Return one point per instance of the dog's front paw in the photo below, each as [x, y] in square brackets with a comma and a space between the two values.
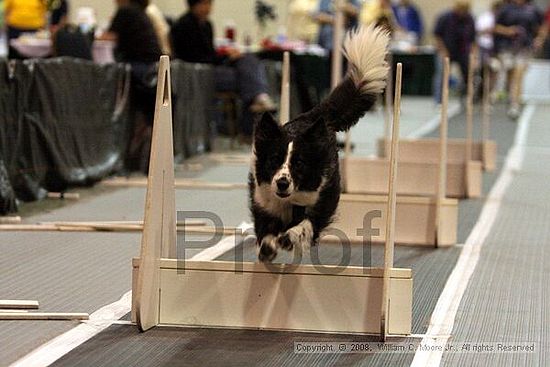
[299, 236]
[267, 250]
[287, 240]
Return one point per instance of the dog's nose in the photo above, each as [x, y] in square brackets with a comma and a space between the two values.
[283, 184]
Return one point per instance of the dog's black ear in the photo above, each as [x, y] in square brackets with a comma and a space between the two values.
[267, 129]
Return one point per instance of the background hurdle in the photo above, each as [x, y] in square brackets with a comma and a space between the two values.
[426, 220]
[459, 150]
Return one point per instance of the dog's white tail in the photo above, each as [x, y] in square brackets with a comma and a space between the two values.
[365, 48]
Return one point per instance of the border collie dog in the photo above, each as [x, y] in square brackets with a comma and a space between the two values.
[294, 180]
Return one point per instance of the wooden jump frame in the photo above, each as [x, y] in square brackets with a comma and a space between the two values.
[419, 176]
[430, 221]
[179, 184]
[190, 227]
[459, 150]
[18, 310]
[260, 296]
[10, 220]
[64, 195]
[230, 159]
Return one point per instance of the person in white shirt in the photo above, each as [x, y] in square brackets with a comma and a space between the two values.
[485, 28]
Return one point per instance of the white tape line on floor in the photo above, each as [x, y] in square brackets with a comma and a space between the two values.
[106, 316]
[443, 317]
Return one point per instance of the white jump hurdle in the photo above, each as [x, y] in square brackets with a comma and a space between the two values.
[420, 168]
[280, 297]
[369, 176]
[459, 150]
[429, 220]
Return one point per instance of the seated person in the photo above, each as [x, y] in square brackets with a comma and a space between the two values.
[192, 41]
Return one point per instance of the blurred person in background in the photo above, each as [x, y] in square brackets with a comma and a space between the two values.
[59, 15]
[485, 28]
[517, 25]
[68, 39]
[192, 40]
[454, 35]
[380, 13]
[301, 23]
[138, 45]
[325, 18]
[408, 18]
[541, 41]
[23, 16]
[162, 29]
[134, 35]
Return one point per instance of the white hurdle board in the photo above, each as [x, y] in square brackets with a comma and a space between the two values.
[420, 176]
[424, 149]
[415, 221]
[459, 151]
[429, 220]
[484, 153]
[299, 298]
[281, 297]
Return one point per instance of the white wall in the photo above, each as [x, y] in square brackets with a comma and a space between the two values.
[242, 12]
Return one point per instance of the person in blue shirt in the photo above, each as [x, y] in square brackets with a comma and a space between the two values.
[408, 18]
[325, 17]
[517, 26]
[455, 34]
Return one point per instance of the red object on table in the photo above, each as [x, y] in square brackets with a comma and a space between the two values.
[222, 50]
[269, 45]
[230, 33]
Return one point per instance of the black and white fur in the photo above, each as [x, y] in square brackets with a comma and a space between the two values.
[294, 180]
